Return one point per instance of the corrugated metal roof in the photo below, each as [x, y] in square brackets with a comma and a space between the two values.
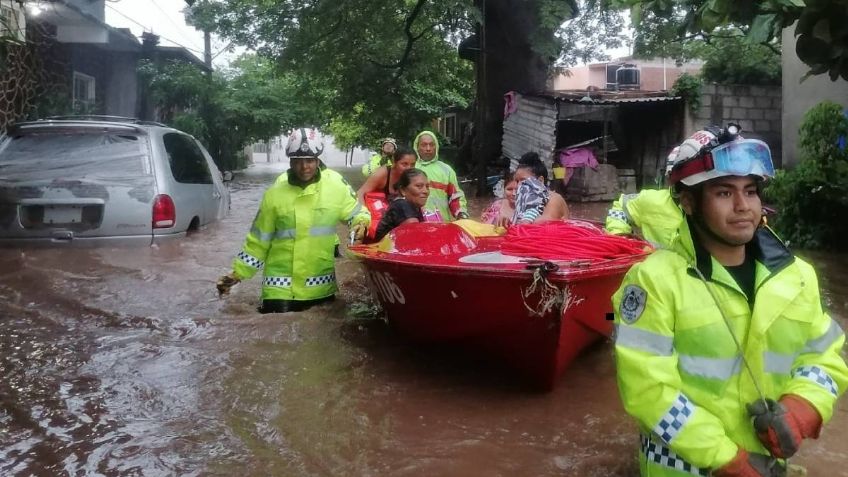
[657, 99]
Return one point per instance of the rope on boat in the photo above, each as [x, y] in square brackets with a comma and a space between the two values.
[551, 297]
[571, 240]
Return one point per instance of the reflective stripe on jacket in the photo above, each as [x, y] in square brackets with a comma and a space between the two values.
[681, 375]
[653, 214]
[446, 196]
[293, 237]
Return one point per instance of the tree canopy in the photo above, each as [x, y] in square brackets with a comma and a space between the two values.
[822, 25]
[392, 65]
[226, 110]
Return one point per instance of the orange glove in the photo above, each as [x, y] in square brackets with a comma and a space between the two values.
[746, 464]
[785, 424]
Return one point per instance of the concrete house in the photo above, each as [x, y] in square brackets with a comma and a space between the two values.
[73, 61]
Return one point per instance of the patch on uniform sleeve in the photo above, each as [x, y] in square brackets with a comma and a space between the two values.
[633, 303]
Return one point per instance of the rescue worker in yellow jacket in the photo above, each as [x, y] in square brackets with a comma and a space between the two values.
[447, 200]
[724, 355]
[388, 146]
[652, 213]
[294, 232]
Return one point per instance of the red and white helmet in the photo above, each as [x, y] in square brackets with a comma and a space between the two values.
[715, 152]
[305, 142]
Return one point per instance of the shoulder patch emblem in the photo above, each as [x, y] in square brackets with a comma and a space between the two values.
[633, 303]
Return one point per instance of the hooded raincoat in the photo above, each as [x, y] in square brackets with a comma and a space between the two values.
[680, 373]
[294, 234]
[446, 197]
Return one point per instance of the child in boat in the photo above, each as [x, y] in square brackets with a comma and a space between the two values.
[414, 189]
[501, 210]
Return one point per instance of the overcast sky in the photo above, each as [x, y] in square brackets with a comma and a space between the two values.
[164, 18]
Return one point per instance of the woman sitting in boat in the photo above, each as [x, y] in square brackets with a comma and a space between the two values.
[379, 189]
[501, 211]
[384, 179]
[534, 202]
[414, 189]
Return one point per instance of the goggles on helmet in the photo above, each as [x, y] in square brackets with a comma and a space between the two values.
[736, 158]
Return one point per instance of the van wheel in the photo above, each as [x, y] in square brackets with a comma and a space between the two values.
[194, 226]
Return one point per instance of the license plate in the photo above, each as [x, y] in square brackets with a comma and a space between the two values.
[62, 214]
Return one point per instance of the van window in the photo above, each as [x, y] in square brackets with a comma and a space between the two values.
[73, 155]
[188, 164]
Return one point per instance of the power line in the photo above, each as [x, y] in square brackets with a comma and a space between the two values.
[177, 27]
[150, 29]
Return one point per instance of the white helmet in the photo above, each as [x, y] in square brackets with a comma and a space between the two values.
[716, 152]
[305, 142]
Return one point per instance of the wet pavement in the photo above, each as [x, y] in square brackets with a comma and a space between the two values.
[125, 362]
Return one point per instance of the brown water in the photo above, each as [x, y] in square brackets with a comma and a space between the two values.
[125, 362]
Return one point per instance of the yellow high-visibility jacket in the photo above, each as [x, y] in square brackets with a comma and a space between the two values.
[374, 163]
[293, 237]
[681, 375]
[653, 214]
[446, 196]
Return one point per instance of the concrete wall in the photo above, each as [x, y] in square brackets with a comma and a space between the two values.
[756, 108]
[800, 97]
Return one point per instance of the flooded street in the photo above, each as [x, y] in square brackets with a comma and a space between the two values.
[125, 362]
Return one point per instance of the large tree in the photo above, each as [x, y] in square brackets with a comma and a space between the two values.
[822, 25]
[393, 64]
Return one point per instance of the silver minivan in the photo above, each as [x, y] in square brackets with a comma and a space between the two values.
[104, 181]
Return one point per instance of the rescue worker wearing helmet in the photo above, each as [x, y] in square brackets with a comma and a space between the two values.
[294, 232]
[724, 354]
[652, 213]
[388, 146]
[447, 200]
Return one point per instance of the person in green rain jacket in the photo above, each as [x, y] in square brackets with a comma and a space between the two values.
[724, 355]
[447, 200]
[388, 146]
[294, 233]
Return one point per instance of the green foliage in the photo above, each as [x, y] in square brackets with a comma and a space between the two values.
[227, 110]
[586, 37]
[810, 199]
[734, 60]
[822, 28]
[689, 88]
[394, 61]
[392, 65]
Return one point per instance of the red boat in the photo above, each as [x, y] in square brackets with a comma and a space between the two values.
[438, 284]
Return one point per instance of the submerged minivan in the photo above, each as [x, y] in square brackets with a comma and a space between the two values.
[104, 181]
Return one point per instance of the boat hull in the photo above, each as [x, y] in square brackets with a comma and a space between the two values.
[494, 309]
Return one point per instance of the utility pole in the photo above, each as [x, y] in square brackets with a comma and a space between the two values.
[207, 49]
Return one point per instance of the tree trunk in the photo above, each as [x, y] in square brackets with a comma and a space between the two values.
[508, 62]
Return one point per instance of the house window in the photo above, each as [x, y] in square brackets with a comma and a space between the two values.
[12, 20]
[83, 93]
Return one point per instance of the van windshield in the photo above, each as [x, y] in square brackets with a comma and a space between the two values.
[74, 155]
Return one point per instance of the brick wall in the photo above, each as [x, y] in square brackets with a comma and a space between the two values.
[758, 109]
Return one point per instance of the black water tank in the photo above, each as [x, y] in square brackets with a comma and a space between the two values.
[627, 77]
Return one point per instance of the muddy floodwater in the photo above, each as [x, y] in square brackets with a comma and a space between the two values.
[125, 362]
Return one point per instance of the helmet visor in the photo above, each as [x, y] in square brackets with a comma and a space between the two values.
[736, 158]
[743, 157]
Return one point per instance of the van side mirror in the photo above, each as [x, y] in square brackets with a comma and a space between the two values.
[227, 176]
